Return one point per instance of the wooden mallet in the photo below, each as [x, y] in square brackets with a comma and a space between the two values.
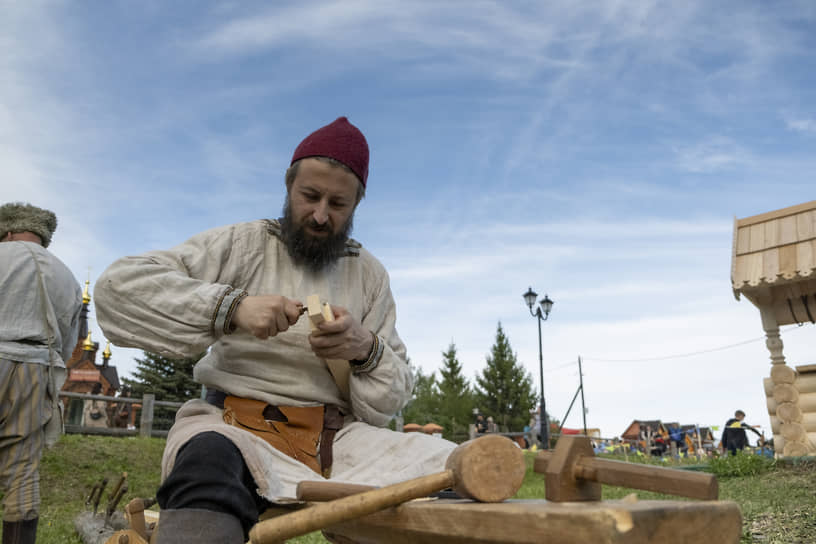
[487, 469]
[573, 473]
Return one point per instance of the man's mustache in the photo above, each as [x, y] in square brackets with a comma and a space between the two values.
[314, 225]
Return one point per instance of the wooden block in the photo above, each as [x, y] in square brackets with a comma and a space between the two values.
[541, 522]
[340, 369]
[315, 311]
[560, 479]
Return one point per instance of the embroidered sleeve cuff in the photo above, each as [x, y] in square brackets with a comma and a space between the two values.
[374, 356]
[229, 328]
[219, 324]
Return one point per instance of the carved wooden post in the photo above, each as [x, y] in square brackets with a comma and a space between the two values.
[786, 418]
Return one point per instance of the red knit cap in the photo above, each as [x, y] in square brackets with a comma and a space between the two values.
[340, 141]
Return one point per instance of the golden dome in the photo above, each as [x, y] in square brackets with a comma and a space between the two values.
[86, 295]
[88, 345]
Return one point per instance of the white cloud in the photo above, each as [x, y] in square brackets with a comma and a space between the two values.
[802, 125]
[713, 154]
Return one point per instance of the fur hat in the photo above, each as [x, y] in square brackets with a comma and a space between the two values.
[19, 217]
[341, 141]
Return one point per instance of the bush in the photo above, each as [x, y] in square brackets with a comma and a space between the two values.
[741, 464]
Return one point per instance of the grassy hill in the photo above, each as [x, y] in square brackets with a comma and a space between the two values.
[778, 500]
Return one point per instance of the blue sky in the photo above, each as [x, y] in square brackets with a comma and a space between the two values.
[597, 152]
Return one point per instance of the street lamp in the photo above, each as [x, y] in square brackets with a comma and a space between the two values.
[542, 312]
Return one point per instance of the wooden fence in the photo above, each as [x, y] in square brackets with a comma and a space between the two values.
[148, 403]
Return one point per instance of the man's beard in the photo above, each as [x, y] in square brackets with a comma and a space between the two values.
[313, 252]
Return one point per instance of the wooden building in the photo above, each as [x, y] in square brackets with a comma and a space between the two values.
[642, 434]
[83, 371]
[773, 265]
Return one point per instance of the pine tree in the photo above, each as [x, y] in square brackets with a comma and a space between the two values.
[424, 404]
[168, 380]
[504, 390]
[455, 396]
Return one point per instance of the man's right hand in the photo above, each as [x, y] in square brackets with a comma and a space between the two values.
[266, 315]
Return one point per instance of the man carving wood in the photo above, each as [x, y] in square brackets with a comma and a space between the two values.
[274, 415]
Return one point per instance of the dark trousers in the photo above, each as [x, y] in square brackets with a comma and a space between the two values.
[210, 473]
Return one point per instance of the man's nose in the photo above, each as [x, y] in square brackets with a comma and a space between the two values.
[321, 212]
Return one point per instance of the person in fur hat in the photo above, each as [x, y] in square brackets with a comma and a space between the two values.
[275, 414]
[39, 327]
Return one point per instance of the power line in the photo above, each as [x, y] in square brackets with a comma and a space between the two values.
[562, 365]
[683, 355]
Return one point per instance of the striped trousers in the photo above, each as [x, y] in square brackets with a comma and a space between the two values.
[25, 408]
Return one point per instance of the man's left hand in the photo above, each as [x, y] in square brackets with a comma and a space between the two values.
[343, 338]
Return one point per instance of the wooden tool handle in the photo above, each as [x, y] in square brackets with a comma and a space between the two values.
[696, 485]
[328, 513]
[328, 491]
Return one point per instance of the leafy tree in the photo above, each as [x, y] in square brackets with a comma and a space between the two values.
[504, 389]
[424, 404]
[455, 396]
[168, 380]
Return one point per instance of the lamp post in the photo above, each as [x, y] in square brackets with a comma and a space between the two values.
[542, 312]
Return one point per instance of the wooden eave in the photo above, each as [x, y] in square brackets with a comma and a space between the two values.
[773, 262]
[774, 248]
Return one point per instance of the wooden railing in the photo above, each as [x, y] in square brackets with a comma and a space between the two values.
[148, 403]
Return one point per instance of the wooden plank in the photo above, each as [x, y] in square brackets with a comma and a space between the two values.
[791, 210]
[753, 268]
[787, 230]
[805, 261]
[743, 240]
[743, 270]
[770, 264]
[806, 225]
[757, 237]
[787, 261]
[542, 522]
[771, 233]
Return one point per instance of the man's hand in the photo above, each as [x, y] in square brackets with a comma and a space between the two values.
[266, 315]
[343, 338]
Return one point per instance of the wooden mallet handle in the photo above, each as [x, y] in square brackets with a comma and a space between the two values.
[317, 491]
[351, 507]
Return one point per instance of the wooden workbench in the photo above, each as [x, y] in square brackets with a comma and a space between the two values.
[543, 522]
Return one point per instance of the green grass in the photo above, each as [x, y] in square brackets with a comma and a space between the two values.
[777, 498]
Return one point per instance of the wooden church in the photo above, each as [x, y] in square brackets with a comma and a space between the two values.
[83, 371]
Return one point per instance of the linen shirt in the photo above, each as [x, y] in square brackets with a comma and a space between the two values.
[169, 302]
[24, 330]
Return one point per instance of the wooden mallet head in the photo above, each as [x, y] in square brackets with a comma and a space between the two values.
[488, 469]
